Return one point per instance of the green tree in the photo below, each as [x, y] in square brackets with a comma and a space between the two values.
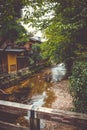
[78, 86]
[10, 13]
[35, 55]
[65, 29]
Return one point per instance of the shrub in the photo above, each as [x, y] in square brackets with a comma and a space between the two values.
[78, 86]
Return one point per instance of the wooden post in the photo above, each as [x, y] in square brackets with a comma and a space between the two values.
[34, 122]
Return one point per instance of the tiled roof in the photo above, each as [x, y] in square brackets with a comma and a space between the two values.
[15, 50]
[36, 39]
[10, 47]
[12, 50]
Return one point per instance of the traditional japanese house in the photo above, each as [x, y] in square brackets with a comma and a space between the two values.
[23, 58]
[32, 40]
[8, 57]
[13, 57]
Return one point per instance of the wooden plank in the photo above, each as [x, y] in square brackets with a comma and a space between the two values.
[14, 108]
[9, 126]
[72, 118]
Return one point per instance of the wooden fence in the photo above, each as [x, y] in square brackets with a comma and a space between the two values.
[38, 113]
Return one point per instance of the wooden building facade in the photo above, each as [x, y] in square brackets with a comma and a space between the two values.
[13, 57]
[8, 57]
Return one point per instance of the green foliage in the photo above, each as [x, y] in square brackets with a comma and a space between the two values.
[12, 31]
[65, 24]
[65, 31]
[78, 86]
[59, 47]
[10, 12]
[35, 55]
[81, 52]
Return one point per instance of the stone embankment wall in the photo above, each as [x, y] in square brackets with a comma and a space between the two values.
[7, 80]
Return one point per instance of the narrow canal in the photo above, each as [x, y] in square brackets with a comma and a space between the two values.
[35, 90]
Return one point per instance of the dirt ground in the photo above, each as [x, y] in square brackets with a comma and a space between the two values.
[63, 101]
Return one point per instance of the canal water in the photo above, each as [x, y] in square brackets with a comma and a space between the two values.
[35, 90]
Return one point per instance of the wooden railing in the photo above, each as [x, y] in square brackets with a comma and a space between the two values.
[38, 113]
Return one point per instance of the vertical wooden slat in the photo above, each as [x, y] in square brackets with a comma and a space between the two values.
[34, 122]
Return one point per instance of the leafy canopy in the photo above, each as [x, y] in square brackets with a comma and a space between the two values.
[10, 13]
[65, 29]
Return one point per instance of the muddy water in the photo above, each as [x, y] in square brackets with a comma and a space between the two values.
[35, 90]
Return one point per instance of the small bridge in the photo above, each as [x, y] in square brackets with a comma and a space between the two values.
[37, 113]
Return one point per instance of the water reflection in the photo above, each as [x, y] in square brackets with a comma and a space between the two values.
[34, 90]
[38, 100]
